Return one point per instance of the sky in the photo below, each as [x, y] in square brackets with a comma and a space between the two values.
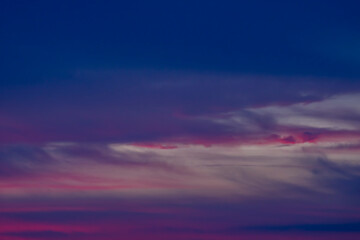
[184, 120]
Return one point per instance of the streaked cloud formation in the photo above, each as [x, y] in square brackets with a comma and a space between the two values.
[184, 120]
[286, 151]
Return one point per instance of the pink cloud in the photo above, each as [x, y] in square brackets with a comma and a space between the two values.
[155, 145]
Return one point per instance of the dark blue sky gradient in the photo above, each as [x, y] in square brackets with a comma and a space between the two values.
[43, 40]
[70, 65]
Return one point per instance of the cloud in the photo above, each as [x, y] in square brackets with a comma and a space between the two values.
[19, 161]
[129, 106]
[352, 227]
[182, 153]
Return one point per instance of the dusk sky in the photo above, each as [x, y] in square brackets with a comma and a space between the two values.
[179, 120]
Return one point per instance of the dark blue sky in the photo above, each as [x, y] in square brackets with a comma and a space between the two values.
[42, 40]
[156, 58]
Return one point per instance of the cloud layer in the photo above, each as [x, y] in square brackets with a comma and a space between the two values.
[181, 159]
